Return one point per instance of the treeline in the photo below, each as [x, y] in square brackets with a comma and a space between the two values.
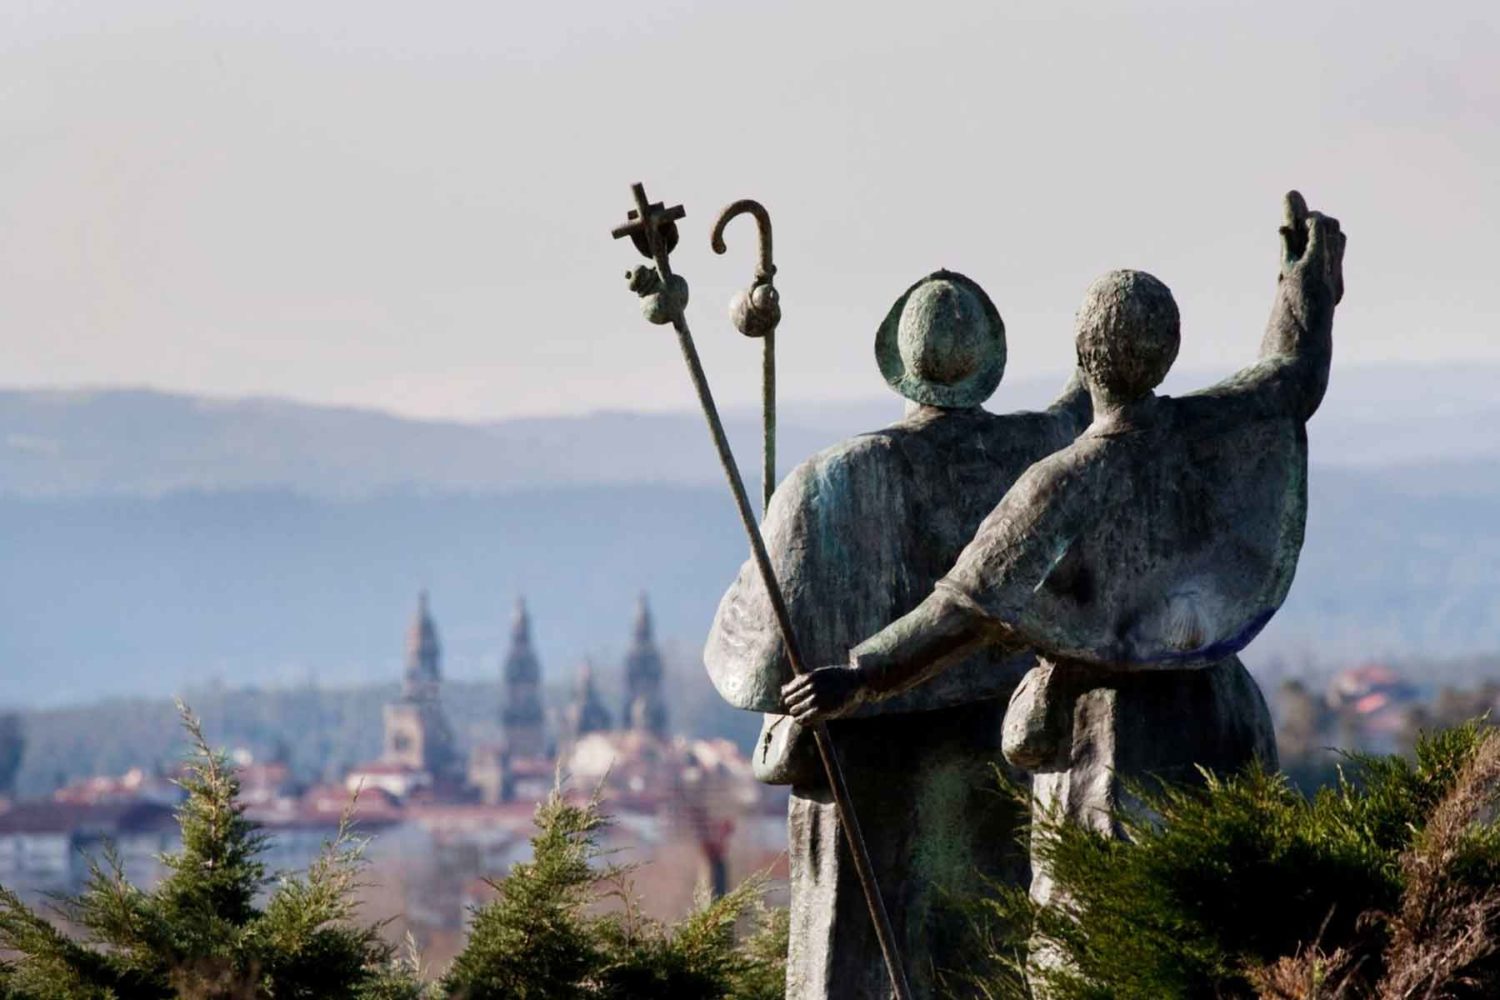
[220, 926]
[1385, 886]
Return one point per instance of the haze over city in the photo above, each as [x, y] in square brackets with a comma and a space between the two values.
[341, 203]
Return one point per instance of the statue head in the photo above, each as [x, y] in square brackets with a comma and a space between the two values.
[942, 343]
[1128, 334]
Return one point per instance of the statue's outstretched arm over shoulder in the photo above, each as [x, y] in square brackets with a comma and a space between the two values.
[1015, 549]
[1292, 373]
[939, 632]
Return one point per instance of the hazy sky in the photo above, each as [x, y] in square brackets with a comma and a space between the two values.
[408, 205]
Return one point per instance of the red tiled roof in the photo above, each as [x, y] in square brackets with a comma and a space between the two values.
[471, 811]
[332, 800]
[46, 816]
[533, 767]
[384, 767]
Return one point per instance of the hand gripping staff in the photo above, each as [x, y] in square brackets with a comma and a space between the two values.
[653, 229]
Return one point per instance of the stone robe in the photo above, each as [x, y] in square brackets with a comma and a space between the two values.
[858, 536]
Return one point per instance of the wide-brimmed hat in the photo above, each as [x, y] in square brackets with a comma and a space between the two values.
[943, 342]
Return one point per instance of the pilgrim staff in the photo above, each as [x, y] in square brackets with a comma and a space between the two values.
[653, 229]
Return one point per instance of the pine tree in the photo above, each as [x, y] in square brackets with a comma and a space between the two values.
[203, 933]
[199, 934]
[541, 939]
[1386, 885]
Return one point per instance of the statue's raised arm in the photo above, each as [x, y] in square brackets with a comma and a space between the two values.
[1291, 375]
[1166, 536]
[1073, 402]
[1135, 563]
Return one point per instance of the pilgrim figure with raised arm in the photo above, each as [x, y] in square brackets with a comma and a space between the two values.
[1138, 560]
[858, 535]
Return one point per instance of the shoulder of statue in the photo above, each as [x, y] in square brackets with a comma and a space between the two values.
[847, 456]
[1066, 477]
[855, 449]
[830, 476]
[1048, 430]
[962, 430]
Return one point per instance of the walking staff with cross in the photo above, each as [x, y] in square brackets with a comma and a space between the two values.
[652, 227]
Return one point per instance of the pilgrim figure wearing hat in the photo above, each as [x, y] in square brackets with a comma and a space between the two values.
[858, 535]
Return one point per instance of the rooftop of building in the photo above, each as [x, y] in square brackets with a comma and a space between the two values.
[44, 816]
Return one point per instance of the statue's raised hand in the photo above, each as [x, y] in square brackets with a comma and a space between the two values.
[825, 693]
[1312, 250]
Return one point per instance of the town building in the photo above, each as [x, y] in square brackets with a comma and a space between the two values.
[47, 846]
[416, 732]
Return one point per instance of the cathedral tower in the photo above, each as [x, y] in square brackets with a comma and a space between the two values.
[586, 714]
[420, 679]
[521, 714]
[645, 706]
[416, 733]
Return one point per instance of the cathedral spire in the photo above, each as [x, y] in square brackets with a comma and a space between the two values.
[645, 704]
[643, 627]
[520, 624]
[587, 713]
[521, 714]
[416, 733]
[423, 653]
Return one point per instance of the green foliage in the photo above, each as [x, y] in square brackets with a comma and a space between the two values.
[218, 927]
[1224, 881]
[199, 934]
[544, 937]
[532, 942]
[763, 975]
[698, 958]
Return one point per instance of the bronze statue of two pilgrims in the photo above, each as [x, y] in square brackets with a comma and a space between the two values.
[858, 535]
[1122, 571]
[1138, 560]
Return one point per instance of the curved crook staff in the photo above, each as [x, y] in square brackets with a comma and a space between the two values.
[750, 206]
[755, 313]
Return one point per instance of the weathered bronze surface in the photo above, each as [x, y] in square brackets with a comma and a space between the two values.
[942, 343]
[755, 312]
[1139, 559]
[1167, 535]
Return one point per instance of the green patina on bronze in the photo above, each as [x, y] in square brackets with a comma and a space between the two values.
[943, 342]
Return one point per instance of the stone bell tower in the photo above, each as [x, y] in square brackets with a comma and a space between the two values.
[645, 706]
[521, 715]
[416, 733]
[586, 712]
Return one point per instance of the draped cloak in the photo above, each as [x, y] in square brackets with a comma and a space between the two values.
[858, 536]
[1137, 561]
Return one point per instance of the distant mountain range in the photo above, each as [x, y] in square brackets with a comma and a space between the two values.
[155, 541]
[121, 442]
